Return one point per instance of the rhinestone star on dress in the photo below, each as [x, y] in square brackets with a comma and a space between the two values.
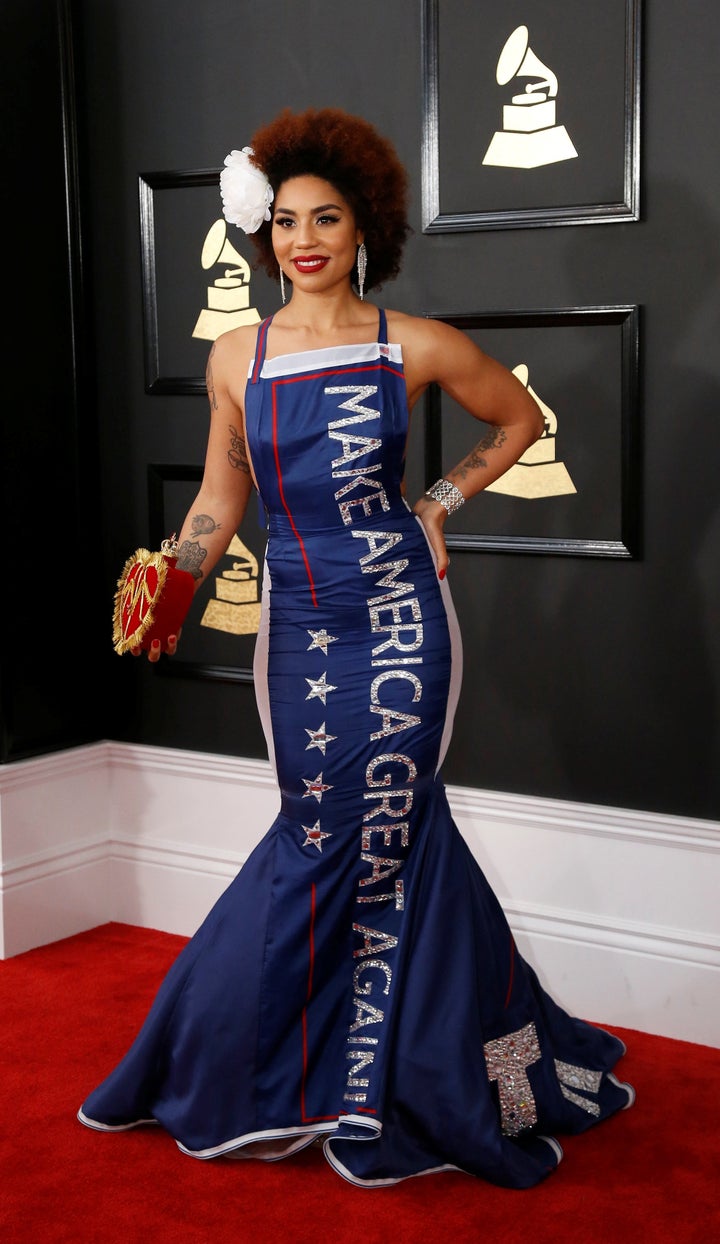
[319, 738]
[321, 639]
[314, 836]
[316, 787]
[319, 687]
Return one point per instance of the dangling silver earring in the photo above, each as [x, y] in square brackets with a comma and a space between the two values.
[361, 269]
[282, 285]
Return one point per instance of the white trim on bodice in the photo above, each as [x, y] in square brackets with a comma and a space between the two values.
[328, 356]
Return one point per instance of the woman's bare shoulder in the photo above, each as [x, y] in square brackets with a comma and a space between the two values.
[230, 359]
[234, 345]
[400, 324]
[430, 347]
[420, 330]
[229, 363]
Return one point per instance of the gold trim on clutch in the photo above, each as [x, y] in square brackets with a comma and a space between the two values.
[128, 596]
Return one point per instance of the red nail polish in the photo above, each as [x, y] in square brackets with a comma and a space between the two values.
[441, 574]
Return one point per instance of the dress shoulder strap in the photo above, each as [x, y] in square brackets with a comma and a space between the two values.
[382, 329]
[260, 348]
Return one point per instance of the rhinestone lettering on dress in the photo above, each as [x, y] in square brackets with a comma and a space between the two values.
[387, 831]
[360, 1059]
[356, 447]
[396, 625]
[367, 986]
[507, 1059]
[387, 758]
[577, 1080]
[386, 941]
[361, 413]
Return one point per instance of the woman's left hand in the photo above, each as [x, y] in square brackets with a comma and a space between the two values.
[432, 515]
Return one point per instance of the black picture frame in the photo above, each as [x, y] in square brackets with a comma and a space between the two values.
[176, 279]
[596, 54]
[208, 649]
[584, 366]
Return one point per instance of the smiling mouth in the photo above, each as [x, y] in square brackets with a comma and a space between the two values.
[310, 263]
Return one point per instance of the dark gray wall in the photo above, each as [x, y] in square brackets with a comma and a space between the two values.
[586, 679]
[53, 609]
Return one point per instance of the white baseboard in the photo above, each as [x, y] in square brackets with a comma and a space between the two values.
[616, 909]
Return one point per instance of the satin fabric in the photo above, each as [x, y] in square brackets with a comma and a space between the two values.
[358, 980]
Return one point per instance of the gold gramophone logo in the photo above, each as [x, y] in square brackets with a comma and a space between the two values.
[537, 473]
[235, 607]
[228, 298]
[530, 136]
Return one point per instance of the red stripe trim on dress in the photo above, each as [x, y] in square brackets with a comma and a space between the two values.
[282, 498]
[311, 971]
[310, 1118]
[395, 369]
[302, 376]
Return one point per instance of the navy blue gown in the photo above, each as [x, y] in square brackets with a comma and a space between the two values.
[357, 981]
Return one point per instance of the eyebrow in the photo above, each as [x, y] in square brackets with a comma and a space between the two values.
[288, 211]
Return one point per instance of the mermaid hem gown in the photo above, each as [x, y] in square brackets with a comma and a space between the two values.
[357, 981]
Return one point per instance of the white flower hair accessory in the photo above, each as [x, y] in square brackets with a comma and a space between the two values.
[245, 191]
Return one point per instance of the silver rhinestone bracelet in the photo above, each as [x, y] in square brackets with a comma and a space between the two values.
[447, 494]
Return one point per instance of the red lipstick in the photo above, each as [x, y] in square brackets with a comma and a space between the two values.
[310, 263]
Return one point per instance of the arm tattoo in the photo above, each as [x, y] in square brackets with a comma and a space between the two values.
[209, 382]
[203, 525]
[191, 557]
[493, 439]
[237, 453]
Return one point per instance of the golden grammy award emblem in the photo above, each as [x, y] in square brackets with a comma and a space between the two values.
[235, 607]
[228, 301]
[530, 136]
[537, 473]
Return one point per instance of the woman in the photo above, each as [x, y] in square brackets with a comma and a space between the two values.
[358, 980]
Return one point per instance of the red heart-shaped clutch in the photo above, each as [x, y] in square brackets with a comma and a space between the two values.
[152, 598]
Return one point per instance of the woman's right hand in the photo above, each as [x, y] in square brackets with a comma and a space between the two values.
[156, 649]
[432, 515]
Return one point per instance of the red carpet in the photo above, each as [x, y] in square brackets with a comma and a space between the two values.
[69, 1011]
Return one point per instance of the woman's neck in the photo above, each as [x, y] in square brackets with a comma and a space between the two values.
[322, 317]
